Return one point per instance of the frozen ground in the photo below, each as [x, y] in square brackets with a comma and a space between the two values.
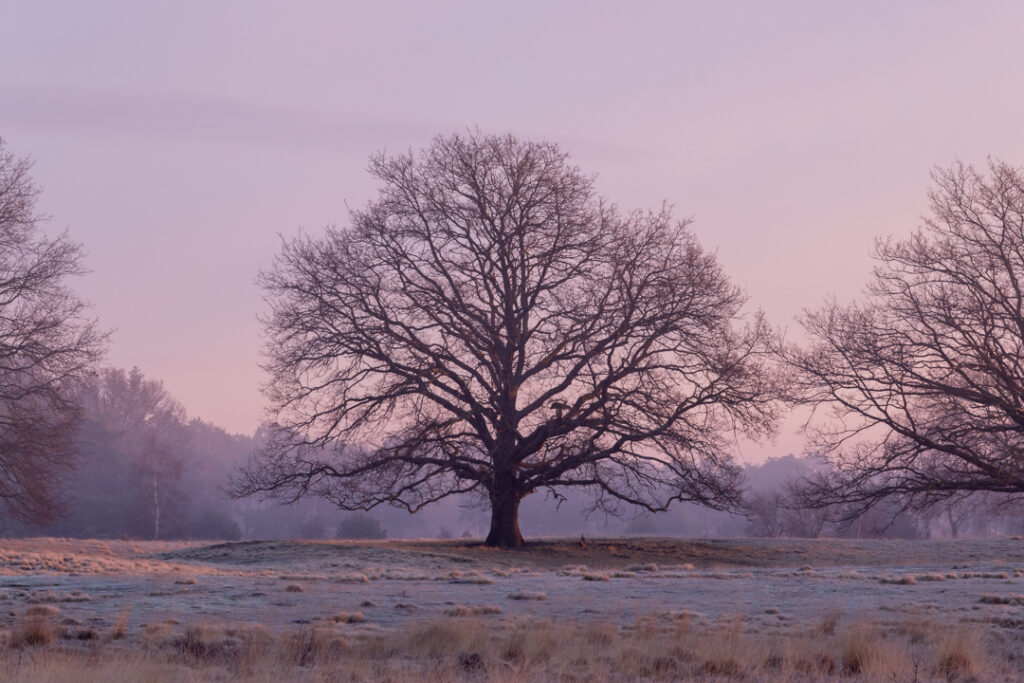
[772, 584]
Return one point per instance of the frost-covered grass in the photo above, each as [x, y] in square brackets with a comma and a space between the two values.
[658, 609]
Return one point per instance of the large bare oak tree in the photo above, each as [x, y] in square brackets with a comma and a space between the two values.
[47, 342]
[490, 324]
[925, 378]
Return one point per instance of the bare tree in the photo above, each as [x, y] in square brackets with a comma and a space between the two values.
[490, 324]
[779, 512]
[799, 520]
[976, 511]
[958, 512]
[773, 502]
[926, 377]
[47, 343]
[763, 510]
[150, 428]
[361, 525]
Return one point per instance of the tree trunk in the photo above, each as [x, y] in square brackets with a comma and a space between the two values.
[504, 521]
[954, 523]
[156, 508]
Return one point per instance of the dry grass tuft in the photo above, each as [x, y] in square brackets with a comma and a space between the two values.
[470, 579]
[857, 648]
[960, 653]
[646, 567]
[348, 618]
[50, 596]
[527, 595]
[984, 575]
[916, 629]
[829, 620]
[902, 580]
[80, 634]
[120, 627]
[42, 611]
[226, 645]
[474, 611]
[32, 631]
[310, 645]
[726, 652]
[438, 639]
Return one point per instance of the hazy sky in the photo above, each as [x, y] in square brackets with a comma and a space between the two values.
[178, 140]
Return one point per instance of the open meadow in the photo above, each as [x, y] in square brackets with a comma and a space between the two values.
[616, 609]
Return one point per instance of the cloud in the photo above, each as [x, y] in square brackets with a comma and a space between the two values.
[191, 117]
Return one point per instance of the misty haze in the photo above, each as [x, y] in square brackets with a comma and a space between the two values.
[436, 341]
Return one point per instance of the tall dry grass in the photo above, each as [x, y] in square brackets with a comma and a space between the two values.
[492, 648]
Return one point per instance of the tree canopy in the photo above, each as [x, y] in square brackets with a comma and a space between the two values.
[925, 378]
[48, 342]
[490, 324]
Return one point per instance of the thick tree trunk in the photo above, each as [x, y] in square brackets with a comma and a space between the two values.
[504, 522]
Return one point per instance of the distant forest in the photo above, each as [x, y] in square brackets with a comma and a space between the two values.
[146, 470]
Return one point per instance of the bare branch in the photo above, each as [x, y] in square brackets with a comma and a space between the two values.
[489, 322]
[48, 343]
[926, 378]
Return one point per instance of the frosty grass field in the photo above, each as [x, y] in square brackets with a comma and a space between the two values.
[617, 609]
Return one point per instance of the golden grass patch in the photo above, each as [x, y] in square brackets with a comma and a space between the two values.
[466, 646]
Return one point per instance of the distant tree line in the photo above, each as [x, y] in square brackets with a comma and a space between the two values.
[775, 505]
[141, 469]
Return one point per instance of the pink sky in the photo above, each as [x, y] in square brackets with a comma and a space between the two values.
[177, 140]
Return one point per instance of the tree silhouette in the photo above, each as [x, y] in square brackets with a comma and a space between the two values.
[926, 377]
[490, 324]
[47, 343]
